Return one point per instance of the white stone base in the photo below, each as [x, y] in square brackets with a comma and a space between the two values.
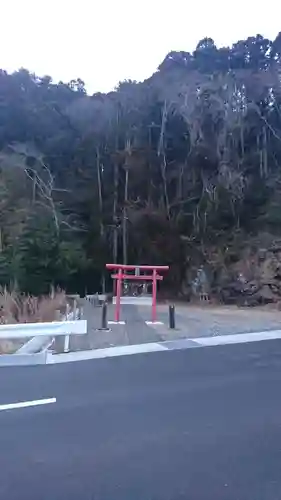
[138, 301]
[154, 323]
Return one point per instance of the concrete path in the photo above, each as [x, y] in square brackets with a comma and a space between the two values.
[133, 331]
[191, 322]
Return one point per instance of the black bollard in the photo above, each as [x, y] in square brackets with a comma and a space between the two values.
[172, 322]
[104, 317]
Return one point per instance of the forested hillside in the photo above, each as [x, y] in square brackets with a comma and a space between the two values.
[183, 169]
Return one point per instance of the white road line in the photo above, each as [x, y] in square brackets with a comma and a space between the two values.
[26, 404]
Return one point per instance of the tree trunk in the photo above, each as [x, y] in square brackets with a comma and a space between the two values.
[161, 152]
[264, 148]
[101, 210]
[125, 219]
[115, 219]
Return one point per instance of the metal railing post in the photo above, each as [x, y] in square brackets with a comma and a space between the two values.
[172, 319]
[80, 312]
[104, 325]
[66, 343]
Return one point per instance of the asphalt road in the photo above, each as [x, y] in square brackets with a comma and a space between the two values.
[197, 424]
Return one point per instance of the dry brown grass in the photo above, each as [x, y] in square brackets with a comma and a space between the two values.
[20, 308]
[10, 346]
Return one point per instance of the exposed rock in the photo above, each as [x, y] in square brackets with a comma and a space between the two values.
[258, 279]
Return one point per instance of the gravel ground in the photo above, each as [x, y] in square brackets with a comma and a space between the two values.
[191, 322]
[194, 321]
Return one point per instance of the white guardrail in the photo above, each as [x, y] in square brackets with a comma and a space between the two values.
[18, 331]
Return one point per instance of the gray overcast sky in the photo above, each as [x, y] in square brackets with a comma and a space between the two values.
[105, 41]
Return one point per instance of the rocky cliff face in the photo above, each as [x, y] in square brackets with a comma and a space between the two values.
[258, 279]
[252, 278]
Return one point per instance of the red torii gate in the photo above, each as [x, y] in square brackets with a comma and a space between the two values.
[121, 276]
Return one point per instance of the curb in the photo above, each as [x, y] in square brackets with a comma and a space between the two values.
[168, 345]
[47, 357]
[39, 358]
